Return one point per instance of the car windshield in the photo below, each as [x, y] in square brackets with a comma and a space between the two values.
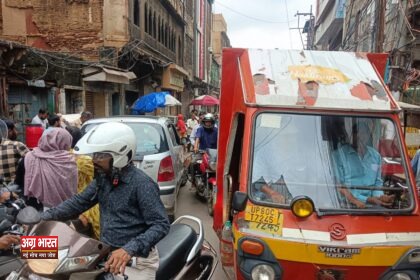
[150, 138]
[343, 163]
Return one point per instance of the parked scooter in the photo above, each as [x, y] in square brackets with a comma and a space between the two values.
[15, 220]
[204, 177]
[183, 253]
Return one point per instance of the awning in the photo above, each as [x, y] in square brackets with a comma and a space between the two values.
[107, 74]
[408, 107]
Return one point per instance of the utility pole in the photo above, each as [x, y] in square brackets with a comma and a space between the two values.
[306, 29]
[380, 34]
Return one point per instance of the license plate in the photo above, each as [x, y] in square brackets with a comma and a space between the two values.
[267, 228]
[262, 215]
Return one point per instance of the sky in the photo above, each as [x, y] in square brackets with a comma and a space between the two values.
[264, 23]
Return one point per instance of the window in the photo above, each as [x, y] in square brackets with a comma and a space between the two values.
[180, 51]
[159, 34]
[150, 138]
[154, 33]
[136, 11]
[150, 27]
[146, 18]
[162, 31]
[343, 163]
[174, 135]
[165, 37]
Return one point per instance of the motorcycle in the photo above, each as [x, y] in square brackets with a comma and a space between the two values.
[183, 254]
[204, 177]
[16, 220]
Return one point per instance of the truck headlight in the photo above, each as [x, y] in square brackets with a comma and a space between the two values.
[400, 276]
[263, 272]
[414, 257]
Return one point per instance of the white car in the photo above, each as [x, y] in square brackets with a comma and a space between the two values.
[159, 153]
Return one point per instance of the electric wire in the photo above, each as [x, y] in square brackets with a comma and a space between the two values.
[251, 17]
[288, 24]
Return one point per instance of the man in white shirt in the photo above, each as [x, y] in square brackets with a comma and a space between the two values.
[192, 122]
[41, 118]
[84, 117]
[194, 130]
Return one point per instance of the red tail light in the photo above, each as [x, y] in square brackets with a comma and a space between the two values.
[166, 170]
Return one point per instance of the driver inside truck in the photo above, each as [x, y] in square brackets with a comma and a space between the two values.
[358, 171]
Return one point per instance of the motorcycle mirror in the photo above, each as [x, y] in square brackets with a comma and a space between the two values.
[239, 201]
[28, 216]
[5, 225]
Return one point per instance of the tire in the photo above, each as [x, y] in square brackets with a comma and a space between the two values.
[199, 188]
[184, 178]
[210, 200]
[210, 206]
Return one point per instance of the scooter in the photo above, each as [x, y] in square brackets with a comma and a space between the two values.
[16, 221]
[183, 253]
[204, 177]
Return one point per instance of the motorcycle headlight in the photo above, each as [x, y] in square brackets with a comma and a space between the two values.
[263, 272]
[400, 276]
[76, 263]
[48, 266]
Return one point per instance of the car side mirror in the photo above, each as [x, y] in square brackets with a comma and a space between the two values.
[239, 201]
[28, 216]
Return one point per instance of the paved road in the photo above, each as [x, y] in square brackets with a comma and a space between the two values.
[188, 204]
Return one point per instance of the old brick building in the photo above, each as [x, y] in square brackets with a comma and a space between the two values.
[102, 55]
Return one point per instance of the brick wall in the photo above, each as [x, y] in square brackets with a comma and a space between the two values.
[68, 26]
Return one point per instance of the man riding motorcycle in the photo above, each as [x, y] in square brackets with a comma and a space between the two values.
[206, 137]
[132, 216]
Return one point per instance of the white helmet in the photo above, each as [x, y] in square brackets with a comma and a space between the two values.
[115, 138]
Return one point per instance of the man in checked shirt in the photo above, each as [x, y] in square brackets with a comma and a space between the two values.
[10, 150]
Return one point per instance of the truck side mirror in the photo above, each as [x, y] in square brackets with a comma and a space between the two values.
[239, 201]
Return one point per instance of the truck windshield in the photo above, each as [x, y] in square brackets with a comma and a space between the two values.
[343, 163]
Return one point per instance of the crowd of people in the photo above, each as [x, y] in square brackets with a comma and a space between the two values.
[86, 180]
[200, 132]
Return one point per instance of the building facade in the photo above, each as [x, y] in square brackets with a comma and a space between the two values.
[220, 38]
[102, 55]
[329, 24]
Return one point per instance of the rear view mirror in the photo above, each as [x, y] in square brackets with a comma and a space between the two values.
[239, 201]
[5, 225]
[28, 216]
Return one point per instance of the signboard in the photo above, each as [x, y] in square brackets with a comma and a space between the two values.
[39, 247]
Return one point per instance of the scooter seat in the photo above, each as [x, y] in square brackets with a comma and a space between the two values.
[174, 249]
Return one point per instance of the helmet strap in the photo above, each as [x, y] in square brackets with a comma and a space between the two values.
[115, 179]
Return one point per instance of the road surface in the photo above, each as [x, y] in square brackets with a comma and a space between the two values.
[188, 204]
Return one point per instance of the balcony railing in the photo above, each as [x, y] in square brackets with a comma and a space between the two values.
[156, 45]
